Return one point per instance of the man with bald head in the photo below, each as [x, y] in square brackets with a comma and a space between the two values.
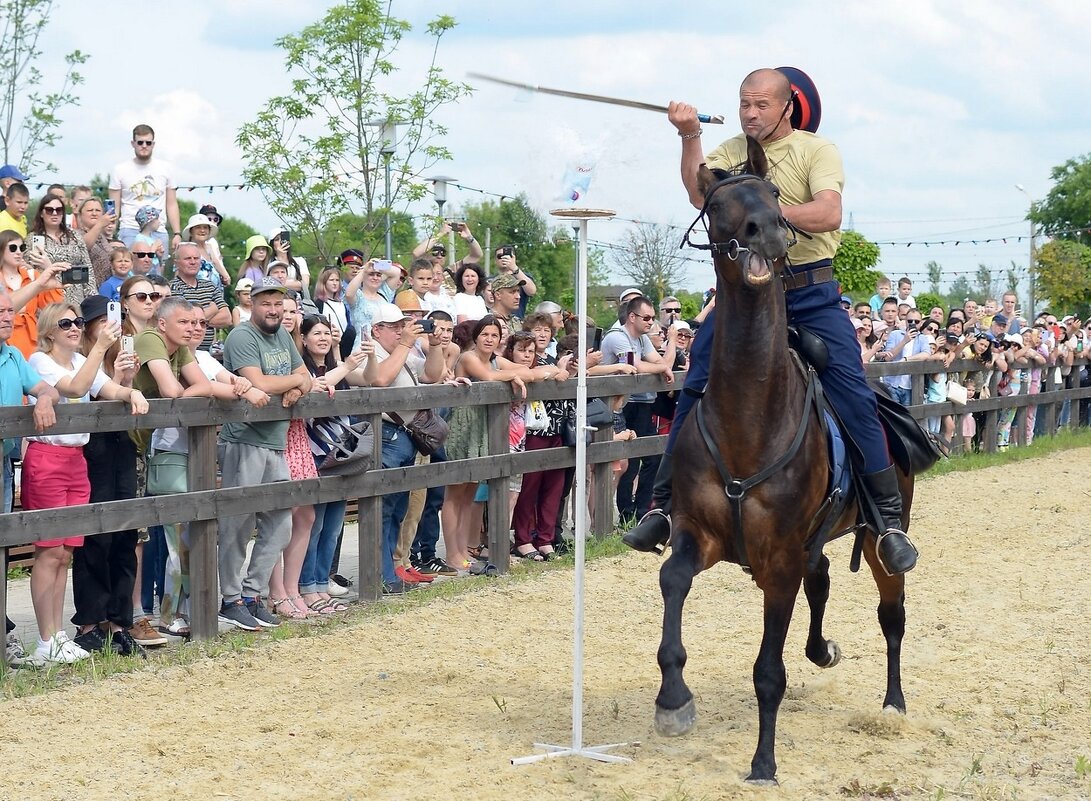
[807, 170]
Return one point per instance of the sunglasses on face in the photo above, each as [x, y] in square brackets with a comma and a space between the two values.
[145, 142]
[67, 323]
[673, 311]
[143, 296]
[201, 323]
[139, 254]
[13, 248]
[645, 317]
[52, 209]
[216, 218]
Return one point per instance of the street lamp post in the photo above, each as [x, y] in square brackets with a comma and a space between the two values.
[1033, 251]
[439, 191]
[389, 134]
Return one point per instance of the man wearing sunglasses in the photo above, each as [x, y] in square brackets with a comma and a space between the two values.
[629, 344]
[187, 262]
[144, 181]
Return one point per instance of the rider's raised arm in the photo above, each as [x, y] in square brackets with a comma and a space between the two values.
[684, 118]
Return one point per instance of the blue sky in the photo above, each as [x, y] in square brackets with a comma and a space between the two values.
[938, 108]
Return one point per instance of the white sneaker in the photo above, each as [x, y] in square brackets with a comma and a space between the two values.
[57, 650]
[335, 590]
[13, 650]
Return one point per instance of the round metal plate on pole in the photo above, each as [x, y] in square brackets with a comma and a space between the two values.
[576, 747]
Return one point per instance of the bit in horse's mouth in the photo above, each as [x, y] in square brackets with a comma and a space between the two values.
[758, 270]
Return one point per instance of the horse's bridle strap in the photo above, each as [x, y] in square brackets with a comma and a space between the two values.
[819, 275]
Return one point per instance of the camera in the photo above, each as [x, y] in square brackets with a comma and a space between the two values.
[76, 274]
[428, 326]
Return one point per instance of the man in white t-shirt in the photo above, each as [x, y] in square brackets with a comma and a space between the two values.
[145, 181]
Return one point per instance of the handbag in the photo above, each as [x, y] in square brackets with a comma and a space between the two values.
[956, 393]
[351, 447]
[168, 473]
[537, 418]
[598, 415]
[427, 430]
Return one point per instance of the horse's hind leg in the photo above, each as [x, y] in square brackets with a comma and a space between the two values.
[816, 585]
[892, 621]
[770, 678]
[675, 712]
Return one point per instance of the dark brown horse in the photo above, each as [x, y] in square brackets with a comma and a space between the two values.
[757, 403]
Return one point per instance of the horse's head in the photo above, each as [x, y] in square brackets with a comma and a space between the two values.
[747, 233]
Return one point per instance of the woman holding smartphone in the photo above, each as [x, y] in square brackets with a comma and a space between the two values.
[54, 467]
[53, 242]
[93, 223]
[30, 291]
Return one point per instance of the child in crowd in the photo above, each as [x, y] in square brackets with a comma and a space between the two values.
[121, 267]
[882, 292]
[244, 306]
[257, 256]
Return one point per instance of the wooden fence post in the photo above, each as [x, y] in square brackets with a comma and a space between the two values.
[498, 424]
[4, 596]
[369, 528]
[204, 600]
[602, 501]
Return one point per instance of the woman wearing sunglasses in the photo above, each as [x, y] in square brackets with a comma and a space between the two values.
[30, 291]
[54, 467]
[62, 246]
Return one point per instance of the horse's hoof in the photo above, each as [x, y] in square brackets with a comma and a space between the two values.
[834, 653]
[763, 782]
[676, 722]
[890, 709]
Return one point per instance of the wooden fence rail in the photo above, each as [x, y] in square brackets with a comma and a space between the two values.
[204, 503]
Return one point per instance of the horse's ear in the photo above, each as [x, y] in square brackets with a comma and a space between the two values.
[756, 162]
[705, 179]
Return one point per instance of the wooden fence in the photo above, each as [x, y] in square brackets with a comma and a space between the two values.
[204, 503]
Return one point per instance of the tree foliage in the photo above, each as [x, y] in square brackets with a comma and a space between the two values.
[648, 255]
[854, 264]
[30, 116]
[317, 152]
[1063, 273]
[935, 276]
[1066, 211]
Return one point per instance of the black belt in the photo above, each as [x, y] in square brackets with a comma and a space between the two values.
[819, 275]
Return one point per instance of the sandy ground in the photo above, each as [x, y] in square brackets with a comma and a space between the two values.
[433, 702]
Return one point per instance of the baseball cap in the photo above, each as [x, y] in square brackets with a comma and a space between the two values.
[244, 285]
[11, 171]
[277, 232]
[439, 250]
[846, 299]
[1000, 318]
[277, 263]
[506, 281]
[387, 313]
[628, 292]
[93, 307]
[267, 284]
[145, 214]
[1015, 339]
[682, 325]
[407, 300]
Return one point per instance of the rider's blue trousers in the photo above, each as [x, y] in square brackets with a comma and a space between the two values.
[817, 308]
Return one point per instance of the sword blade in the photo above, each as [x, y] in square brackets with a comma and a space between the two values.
[610, 101]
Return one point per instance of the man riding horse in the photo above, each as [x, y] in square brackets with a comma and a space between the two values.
[807, 170]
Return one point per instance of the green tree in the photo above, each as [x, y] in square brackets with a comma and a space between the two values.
[22, 98]
[926, 300]
[935, 275]
[854, 264]
[648, 255]
[1063, 274]
[1066, 211]
[318, 152]
[983, 281]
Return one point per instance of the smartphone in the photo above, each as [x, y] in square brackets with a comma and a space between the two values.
[952, 339]
[77, 274]
[113, 312]
[384, 265]
[457, 226]
[128, 344]
[507, 250]
[320, 370]
[428, 326]
[109, 207]
[38, 242]
[596, 342]
[285, 237]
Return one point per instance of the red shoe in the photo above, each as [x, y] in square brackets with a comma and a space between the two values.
[406, 576]
[421, 577]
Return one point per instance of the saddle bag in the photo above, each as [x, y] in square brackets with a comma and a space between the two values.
[911, 446]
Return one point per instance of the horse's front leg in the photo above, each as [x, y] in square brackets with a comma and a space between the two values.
[816, 585]
[892, 621]
[675, 712]
[770, 678]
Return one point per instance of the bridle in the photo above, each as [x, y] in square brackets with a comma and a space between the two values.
[733, 249]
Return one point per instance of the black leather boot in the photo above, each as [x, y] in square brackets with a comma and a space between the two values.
[654, 529]
[896, 553]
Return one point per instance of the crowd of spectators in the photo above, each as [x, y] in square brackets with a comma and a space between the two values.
[113, 298]
[1012, 354]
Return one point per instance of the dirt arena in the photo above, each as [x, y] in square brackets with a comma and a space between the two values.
[433, 702]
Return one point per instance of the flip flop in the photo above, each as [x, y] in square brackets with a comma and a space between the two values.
[322, 606]
[531, 556]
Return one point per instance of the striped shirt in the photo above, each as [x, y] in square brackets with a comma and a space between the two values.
[203, 293]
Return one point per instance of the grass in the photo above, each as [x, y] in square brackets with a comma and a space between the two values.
[19, 683]
[18, 572]
[1042, 446]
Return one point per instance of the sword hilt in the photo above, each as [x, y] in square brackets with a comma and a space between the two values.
[716, 119]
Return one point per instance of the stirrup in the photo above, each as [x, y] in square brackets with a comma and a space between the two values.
[878, 555]
[639, 541]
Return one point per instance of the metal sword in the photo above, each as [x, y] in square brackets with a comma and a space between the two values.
[613, 101]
